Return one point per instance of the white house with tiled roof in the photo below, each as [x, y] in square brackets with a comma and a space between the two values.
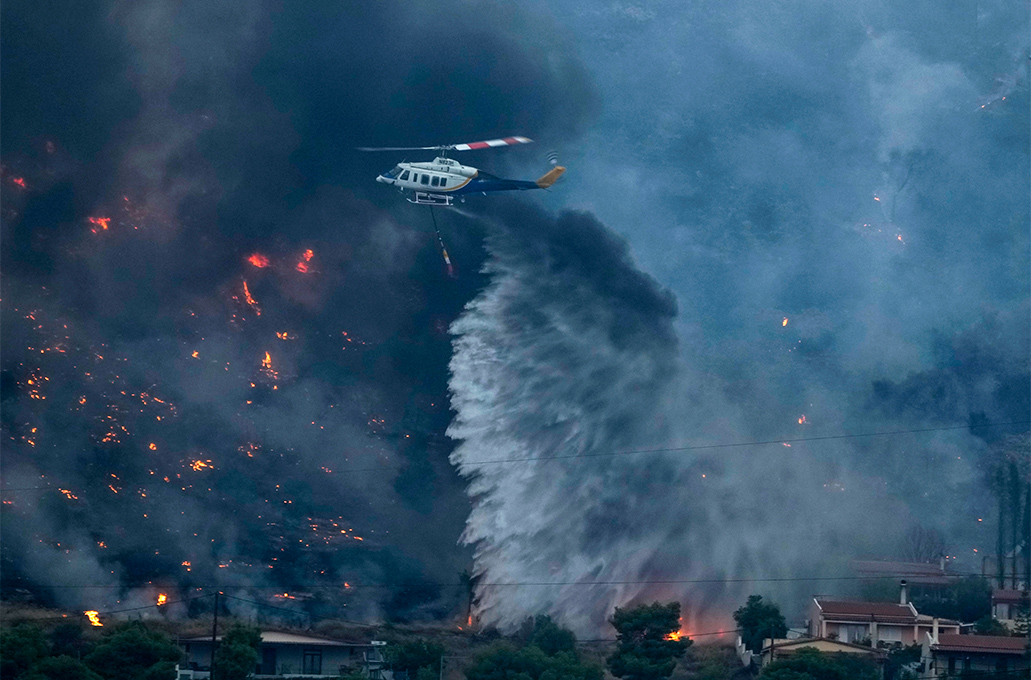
[854, 621]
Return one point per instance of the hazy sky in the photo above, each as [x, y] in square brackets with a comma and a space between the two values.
[780, 220]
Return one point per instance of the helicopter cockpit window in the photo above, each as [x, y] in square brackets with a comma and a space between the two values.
[396, 171]
[425, 179]
[404, 175]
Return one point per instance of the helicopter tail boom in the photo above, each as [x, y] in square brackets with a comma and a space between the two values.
[550, 177]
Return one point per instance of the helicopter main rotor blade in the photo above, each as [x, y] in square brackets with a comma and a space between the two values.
[491, 143]
[470, 146]
[402, 148]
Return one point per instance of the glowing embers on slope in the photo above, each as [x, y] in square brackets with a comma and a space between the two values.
[302, 264]
[249, 299]
[99, 224]
[94, 617]
[199, 465]
[258, 260]
[266, 368]
[162, 599]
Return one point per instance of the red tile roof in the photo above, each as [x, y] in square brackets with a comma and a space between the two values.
[989, 644]
[1011, 596]
[881, 611]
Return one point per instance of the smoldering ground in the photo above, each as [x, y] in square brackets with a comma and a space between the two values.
[236, 370]
[741, 169]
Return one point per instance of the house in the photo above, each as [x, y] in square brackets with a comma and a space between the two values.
[288, 655]
[784, 648]
[872, 623]
[985, 655]
[1006, 604]
[923, 578]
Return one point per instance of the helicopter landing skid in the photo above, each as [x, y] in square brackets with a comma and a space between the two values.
[424, 198]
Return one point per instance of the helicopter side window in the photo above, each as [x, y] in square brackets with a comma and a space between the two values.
[404, 175]
[436, 181]
[425, 179]
[443, 181]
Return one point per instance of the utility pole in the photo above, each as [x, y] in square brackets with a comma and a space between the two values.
[214, 635]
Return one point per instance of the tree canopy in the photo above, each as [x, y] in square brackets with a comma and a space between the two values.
[758, 621]
[130, 651]
[810, 664]
[409, 657]
[237, 654]
[648, 641]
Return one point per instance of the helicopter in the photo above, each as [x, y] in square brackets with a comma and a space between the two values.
[438, 182]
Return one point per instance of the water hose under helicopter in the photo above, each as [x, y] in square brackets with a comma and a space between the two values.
[443, 248]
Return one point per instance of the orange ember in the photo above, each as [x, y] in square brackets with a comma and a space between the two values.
[162, 599]
[94, 617]
[302, 267]
[21, 182]
[784, 322]
[258, 260]
[103, 222]
[250, 300]
[199, 465]
[308, 254]
[802, 420]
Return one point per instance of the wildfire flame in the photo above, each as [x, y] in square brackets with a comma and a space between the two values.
[675, 635]
[258, 260]
[199, 465]
[802, 420]
[103, 222]
[162, 599]
[19, 181]
[94, 617]
[784, 322]
[250, 300]
[302, 265]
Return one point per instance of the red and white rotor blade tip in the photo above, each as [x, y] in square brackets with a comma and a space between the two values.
[491, 143]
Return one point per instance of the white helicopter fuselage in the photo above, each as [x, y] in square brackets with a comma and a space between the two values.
[441, 175]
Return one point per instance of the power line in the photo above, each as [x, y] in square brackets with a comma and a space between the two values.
[669, 449]
[416, 584]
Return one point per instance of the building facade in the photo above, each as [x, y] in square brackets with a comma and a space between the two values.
[288, 655]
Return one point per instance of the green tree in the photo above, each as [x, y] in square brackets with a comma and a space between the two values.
[409, 657]
[758, 621]
[505, 661]
[61, 667]
[20, 647]
[966, 600]
[899, 657]
[547, 635]
[237, 654]
[647, 644]
[988, 625]
[129, 652]
[810, 664]
[67, 639]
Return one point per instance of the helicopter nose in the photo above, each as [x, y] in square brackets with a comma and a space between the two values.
[382, 179]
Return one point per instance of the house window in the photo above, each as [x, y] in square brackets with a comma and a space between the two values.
[436, 181]
[890, 633]
[425, 179]
[404, 175]
[312, 662]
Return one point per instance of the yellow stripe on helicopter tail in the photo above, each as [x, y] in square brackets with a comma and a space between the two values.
[550, 178]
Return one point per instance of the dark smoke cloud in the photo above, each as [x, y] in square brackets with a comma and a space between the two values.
[837, 198]
[206, 132]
